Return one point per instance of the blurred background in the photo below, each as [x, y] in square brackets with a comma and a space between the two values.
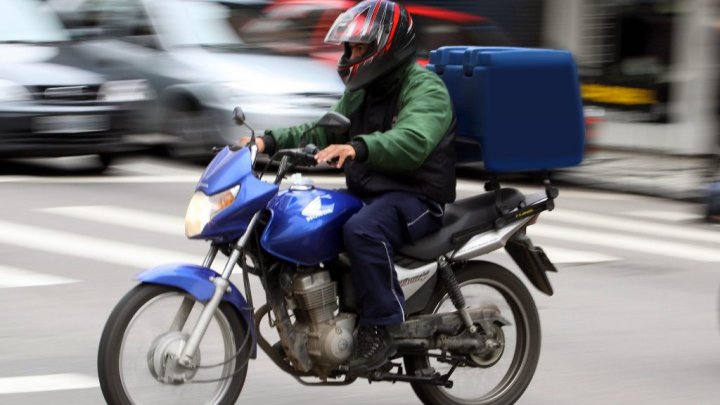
[110, 108]
[176, 68]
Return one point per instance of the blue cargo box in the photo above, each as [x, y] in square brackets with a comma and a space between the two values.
[519, 107]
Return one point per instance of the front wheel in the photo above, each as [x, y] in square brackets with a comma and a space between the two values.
[142, 338]
[495, 378]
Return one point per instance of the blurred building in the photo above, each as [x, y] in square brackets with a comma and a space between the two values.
[651, 64]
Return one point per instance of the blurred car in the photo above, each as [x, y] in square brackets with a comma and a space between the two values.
[200, 69]
[49, 109]
[299, 27]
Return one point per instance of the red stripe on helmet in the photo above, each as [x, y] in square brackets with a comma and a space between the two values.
[396, 18]
[377, 8]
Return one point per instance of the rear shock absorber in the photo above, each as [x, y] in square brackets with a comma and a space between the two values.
[448, 276]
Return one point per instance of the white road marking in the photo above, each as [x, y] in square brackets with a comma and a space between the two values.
[672, 216]
[126, 217]
[154, 169]
[560, 255]
[66, 243]
[669, 231]
[625, 242]
[101, 180]
[49, 382]
[12, 277]
[167, 224]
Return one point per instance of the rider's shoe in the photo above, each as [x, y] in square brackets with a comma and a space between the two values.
[373, 348]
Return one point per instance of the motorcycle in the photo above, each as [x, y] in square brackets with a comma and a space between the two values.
[185, 333]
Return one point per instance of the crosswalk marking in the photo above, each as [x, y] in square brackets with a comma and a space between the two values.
[182, 178]
[127, 217]
[583, 219]
[153, 169]
[155, 222]
[66, 243]
[171, 225]
[673, 216]
[11, 277]
[48, 382]
[625, 242]
[560, 255]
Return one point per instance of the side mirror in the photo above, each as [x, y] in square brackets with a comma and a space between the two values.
[239, 116]
[334, 122]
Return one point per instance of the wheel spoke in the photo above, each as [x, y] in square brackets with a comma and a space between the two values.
[500, 372]
[138, 357]
[474, 382]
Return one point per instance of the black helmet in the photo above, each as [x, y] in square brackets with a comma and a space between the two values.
[387, 29]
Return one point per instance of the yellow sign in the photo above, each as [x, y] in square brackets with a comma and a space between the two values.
[601, 93]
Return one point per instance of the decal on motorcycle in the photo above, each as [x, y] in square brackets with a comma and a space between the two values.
[414, 279]
[315, 209]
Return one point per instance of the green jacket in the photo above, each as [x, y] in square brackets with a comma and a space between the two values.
[424, 118]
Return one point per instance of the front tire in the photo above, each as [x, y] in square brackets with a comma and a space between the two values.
[486, 283]
[129, 345]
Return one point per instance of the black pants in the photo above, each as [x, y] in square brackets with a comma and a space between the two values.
[383, 225]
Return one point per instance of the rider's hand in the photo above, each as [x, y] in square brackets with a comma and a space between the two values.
[258, 141]
[339, 152]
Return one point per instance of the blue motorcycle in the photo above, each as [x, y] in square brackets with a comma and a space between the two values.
[186, 333]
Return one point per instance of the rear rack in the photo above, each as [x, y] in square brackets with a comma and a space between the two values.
[544, 203]
[537, 204]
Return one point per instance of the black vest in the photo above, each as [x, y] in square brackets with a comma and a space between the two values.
[434, 179]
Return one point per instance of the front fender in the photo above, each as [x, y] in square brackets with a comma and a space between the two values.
[197, 281]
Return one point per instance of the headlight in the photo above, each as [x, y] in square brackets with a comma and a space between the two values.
[11, 91]
[203, 208]
[120, 91]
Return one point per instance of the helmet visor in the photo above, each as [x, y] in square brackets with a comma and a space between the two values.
[361, 24]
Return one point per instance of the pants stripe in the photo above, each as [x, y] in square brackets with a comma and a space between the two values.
[392, 287]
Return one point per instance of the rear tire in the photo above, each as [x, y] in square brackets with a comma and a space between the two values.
[110, 366]
[524, 318]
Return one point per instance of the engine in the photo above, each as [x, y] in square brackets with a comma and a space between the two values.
[315, 305]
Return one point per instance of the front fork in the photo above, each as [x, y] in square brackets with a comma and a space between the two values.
[222, 284]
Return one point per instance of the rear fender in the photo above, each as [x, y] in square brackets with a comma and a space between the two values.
[532, 261]
[197, 281]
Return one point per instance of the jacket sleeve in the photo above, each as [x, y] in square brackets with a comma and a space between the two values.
[425, 116]
[292, 137]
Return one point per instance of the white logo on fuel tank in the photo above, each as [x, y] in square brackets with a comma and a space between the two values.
[315, 209]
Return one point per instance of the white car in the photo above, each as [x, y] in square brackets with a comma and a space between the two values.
[200, 69]
[50, 108]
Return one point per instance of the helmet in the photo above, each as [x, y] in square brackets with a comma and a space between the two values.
[387, 29]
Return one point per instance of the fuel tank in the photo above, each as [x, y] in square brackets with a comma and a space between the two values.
[306, 224]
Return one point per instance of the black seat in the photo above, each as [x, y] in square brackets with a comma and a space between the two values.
[470, 213]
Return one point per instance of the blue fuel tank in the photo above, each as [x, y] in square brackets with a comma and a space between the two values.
[306, 224]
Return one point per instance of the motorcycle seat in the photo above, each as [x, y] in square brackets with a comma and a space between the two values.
[462, 215]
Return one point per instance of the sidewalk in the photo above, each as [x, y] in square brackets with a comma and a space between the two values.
[676, 177]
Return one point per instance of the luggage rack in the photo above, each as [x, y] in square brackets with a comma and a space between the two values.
[504, 217]
[544, 204]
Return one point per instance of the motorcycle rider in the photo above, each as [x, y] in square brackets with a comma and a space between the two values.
[398, 157]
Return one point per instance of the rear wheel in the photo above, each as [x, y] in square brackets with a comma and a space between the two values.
[494, 378]
[143, 336]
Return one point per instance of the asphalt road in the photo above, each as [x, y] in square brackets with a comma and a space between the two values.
[634, 319]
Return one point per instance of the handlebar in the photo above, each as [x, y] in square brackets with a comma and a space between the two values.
[302, 156]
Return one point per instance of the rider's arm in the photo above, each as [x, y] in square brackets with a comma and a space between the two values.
[282, 138]
[424, 118]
